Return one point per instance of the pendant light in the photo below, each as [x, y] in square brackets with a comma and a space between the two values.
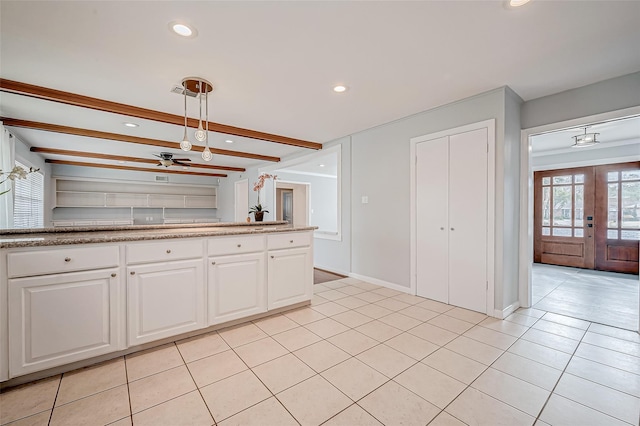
[206, 154]
[185, 144]
[200, 87]
[200, 135]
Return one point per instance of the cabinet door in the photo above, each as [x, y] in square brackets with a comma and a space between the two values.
[290, 277]
[468, 220]
[432, 219]
[165, 299]
[236, 287]
[62, 318]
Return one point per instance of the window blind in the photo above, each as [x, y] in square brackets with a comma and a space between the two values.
[28, 204]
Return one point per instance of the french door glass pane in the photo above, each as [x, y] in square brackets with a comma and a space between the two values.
[546, 231]
[612, 234]
[631, 175]
[579, 205]
[558, 180]
[630, 197]
[546, 181]
[630, 235]
[578, 232]
[561, 232]
[578, 178]
[562, 211]
[546, 206]
[613, 206]
[612, 176]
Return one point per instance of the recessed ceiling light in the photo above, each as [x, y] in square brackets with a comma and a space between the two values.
[121, 162]
[340, 88]
[321, 165]
[184, 168]
[229, 141]
[130, 124]
[516, 3]
[182, 29]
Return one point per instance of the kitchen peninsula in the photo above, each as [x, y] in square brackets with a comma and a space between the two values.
[85, 294]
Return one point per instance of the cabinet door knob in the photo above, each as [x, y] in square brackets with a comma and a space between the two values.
[213, 263]
[132, 272]
[442, 228]
[453, 229]
[239, 245]
[273, 257]
[168, 251]
[67, 259]
[113, 275]
[291, 241]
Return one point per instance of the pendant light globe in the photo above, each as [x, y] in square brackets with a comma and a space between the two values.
[206, 154]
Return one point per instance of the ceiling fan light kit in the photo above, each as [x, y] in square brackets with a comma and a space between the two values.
[586, 139]
[201, 87]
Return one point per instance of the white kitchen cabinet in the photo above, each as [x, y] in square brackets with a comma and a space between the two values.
[452, 220]
[165, 299]
[290, 276]
[236, 286]
[61, 318]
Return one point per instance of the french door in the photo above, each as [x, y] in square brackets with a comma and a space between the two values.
[588, 217]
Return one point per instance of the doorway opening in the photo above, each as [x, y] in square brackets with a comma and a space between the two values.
[584, 223]
[284, 201]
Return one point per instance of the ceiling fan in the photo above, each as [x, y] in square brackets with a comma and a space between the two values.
[166, 159]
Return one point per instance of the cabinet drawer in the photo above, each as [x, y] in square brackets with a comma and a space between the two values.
[235, 245]
[42, 262]
[288, 240]
[163, 251]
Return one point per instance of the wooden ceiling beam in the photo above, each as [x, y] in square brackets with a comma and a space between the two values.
[67, 98]
[12, 122]
[135, 169]
[123, 158]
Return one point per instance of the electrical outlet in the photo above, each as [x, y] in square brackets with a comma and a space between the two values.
[365, 199]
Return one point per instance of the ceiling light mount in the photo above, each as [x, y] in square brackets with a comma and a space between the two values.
[586, 139]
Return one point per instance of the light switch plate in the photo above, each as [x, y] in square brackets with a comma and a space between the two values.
[365, 199]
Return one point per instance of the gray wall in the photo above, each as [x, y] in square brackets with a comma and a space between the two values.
[604, 96]
[380, 170]
[511, 218]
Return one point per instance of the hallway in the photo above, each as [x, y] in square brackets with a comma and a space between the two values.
[601, 297]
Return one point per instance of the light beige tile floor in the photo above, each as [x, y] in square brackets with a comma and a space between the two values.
[359, 355]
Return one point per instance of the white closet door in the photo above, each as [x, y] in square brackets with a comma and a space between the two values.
[468, 220]
[431, 211]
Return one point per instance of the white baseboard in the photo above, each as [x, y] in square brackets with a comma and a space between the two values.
[381, 283]
[502, 314]
[330, 269]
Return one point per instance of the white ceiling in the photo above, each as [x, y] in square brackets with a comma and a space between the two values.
[274, 63]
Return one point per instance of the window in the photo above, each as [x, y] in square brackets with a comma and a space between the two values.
[28, 204]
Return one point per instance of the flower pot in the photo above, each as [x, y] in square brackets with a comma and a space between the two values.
[258, 216]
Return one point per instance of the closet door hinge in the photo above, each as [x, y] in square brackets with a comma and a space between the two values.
[487, 285]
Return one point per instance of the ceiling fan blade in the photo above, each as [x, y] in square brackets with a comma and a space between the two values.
[159, 156]
[182, 159]
[158, 164]
[181, 164]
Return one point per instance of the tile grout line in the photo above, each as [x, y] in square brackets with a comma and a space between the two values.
[55, 399]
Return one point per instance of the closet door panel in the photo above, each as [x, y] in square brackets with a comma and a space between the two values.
[468, 220]
[431, 214]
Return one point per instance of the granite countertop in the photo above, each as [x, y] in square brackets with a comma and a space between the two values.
[12, 238]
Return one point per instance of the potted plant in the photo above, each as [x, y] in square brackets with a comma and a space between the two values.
[257, 210]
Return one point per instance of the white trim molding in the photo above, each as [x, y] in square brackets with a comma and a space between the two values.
[382, 283]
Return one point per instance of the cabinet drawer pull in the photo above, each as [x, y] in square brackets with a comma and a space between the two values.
[291, 241]
[168, 251]
[239, 245]
[67, 259]
[453, 229]
[132, 272]
[113, 275]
